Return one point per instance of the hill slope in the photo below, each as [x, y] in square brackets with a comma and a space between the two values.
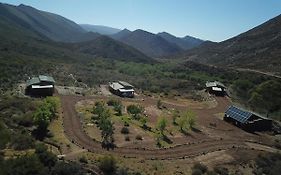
[52, 26]
[103, 30]
[106, 47]
[184, 43]
[148, 43]
[258, 48]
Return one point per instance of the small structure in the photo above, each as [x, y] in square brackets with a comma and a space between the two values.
[247, 120]
[122, 88]
[216, 88]
[40, 86]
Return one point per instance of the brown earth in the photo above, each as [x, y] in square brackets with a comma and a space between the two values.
[222, 137]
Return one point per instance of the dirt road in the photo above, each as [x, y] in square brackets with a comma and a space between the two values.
[74, 131]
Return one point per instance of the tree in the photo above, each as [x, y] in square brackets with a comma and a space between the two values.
[104, 123]
[44, 115]
[186, 121]
[191, 119]
[161, 125]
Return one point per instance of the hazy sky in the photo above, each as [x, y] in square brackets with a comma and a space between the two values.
[214, 20]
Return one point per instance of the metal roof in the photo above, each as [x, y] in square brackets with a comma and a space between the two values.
[32, 81]
[46, 78]
[39, 79]
[238, 114]
[214, 84]
[116, 86]
[125, 83]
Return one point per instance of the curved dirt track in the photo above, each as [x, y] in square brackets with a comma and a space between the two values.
[74, 131]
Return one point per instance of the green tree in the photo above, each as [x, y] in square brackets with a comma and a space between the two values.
[161, 125]
[44, 115]
[191, 119]
[186, 121]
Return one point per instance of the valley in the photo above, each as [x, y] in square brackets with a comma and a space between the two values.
[173, 124]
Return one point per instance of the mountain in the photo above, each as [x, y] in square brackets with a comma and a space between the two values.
[122, 34]
[103, 30]
[52, 26]
[184, 43]
[148, 43]
[258, 49]
[106, 47]
[19, 39]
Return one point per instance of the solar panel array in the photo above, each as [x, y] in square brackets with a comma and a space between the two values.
[238, 114]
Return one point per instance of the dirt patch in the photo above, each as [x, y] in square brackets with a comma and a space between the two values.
[215, 158]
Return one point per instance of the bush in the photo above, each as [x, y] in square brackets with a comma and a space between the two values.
[135, 109]
[221, 170]
[125, 130]
[201, 167]
[127, 138]
[138, 137]
[22, 142]
[107, 165]
[269, 163]
[117, 106]
[83, 160]
[197, 172]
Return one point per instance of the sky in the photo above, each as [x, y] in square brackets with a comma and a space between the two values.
[214, 20]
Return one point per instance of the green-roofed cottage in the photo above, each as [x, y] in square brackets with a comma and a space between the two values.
[40, 86]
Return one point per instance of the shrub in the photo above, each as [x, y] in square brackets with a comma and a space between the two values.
[125, 130]
[221, 170]
[22, 141]
[135, 109]
[127, 138]
[201, 167]
[159, 104]
[83, 159]
[117, 106]
[107, 165]
[197, 172]
[138, 137]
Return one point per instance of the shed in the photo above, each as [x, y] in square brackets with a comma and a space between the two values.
[40, 86]
[216, 87]
[122, 89]
[247, 120]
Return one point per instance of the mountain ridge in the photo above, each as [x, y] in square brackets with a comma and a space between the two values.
[258, 48]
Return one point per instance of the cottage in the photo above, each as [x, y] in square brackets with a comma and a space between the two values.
[216, 88]
[40, 86]
[247, 120]
[122, 89]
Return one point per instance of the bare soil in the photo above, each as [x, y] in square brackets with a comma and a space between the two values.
[206, 140]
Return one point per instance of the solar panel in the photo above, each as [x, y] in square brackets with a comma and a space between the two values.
[238, 114]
